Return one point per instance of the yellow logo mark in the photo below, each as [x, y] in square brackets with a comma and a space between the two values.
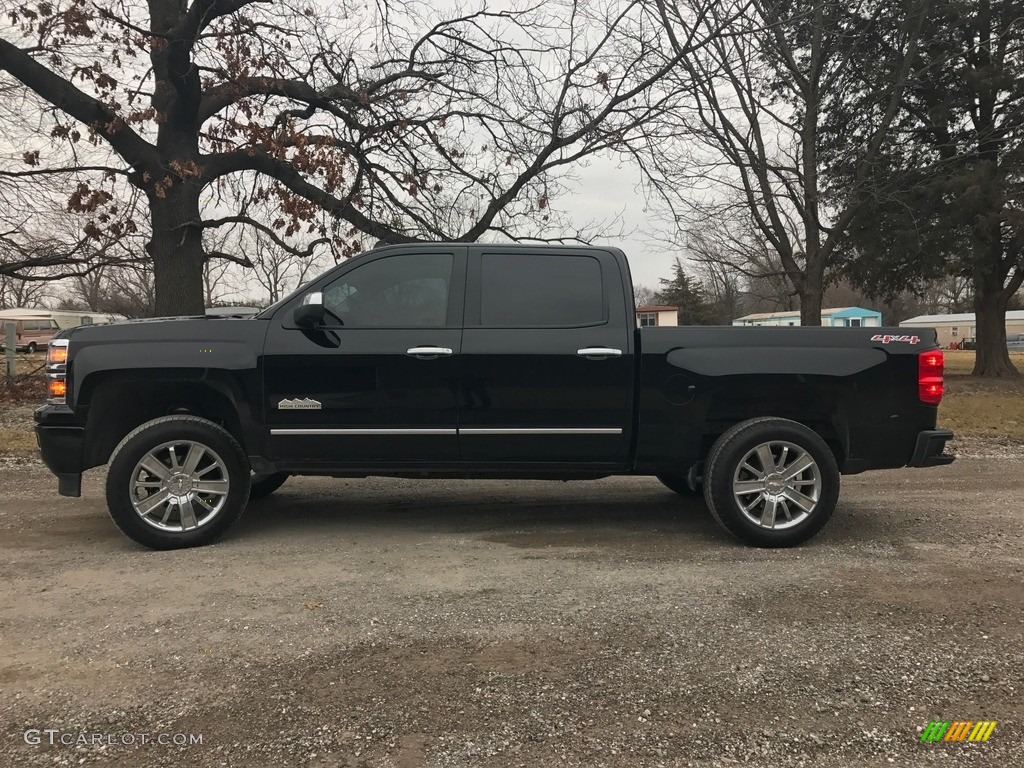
[982, 730]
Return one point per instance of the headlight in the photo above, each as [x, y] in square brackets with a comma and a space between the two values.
[57, 352]
[56, 371]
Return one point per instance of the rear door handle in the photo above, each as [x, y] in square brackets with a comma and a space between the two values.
[426, 352]
[598, 353]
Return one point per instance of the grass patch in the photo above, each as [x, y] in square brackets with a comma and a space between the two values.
[960, 362]
[982, 407]
[18, 441]
[992, 414]
[19, 395]
[23, 390]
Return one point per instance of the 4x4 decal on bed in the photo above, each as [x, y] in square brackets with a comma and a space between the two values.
[886, 339]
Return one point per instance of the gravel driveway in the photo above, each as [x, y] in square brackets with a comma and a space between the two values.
[441, 623]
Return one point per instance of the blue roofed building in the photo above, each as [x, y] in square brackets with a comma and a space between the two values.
[838, 317]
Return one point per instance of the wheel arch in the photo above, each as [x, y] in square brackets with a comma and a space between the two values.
[117, 402]
[818, 405]
[679, 422]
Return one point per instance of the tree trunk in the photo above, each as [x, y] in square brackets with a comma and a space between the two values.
[811, 290]
[177, 252]
[991, 358]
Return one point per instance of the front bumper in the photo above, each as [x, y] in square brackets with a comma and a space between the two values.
[60, 445]
[928, 451]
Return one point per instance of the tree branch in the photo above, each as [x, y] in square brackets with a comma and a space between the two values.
[241, 260]
[303, 253]
[284, 172]
[63, 95]
[204, 12]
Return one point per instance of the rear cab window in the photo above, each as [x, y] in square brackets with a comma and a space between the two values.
[525, 290]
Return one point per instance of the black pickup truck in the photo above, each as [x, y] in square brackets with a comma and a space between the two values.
[481, 361]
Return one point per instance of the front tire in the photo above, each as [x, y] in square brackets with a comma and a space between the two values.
[177, 481]
[771, 482]
[31, 349]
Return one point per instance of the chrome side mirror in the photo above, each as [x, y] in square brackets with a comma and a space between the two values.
[310, 313]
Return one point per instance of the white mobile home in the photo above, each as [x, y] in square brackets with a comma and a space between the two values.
[66, 318]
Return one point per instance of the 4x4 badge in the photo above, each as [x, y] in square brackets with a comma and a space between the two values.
[885, 339]
[305, 404]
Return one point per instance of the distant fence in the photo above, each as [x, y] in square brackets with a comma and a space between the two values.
[10, 333]
[24, 386]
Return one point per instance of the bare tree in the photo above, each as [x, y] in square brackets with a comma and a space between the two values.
[348, 119]
[87, 290]
[132, 291]
[753, 135]
[217, 285]
[644, 295]
[279, 271]
[952, 293]
[736, 262]
[15, 292]
[47, 230]
[723, 287]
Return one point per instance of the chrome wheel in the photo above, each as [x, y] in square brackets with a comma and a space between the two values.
[179, 486]
[777, 485]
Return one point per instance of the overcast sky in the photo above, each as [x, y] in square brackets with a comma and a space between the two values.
[608, 189]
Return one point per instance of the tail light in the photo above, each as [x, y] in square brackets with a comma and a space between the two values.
[929, 377]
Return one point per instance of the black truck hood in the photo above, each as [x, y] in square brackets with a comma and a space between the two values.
[194, 343]
[158, 329]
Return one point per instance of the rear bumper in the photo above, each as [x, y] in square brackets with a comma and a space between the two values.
[60, 446]
[928, 451]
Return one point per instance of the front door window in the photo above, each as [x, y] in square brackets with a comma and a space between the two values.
[405, 291]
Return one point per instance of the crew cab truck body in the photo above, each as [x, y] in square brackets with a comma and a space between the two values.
[481, 361]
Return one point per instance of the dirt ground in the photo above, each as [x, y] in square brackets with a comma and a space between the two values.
[440, 623]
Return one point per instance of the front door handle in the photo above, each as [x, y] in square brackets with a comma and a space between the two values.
[598, 353]
[428, 352]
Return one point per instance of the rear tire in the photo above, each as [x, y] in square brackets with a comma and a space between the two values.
[771, 482]
[264, 485]
[31, 349]
[678, 484]
[177, 481]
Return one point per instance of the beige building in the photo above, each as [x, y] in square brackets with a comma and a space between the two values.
[656, 315]
[952, 329]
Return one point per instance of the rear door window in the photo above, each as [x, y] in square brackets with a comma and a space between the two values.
[524, 290]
